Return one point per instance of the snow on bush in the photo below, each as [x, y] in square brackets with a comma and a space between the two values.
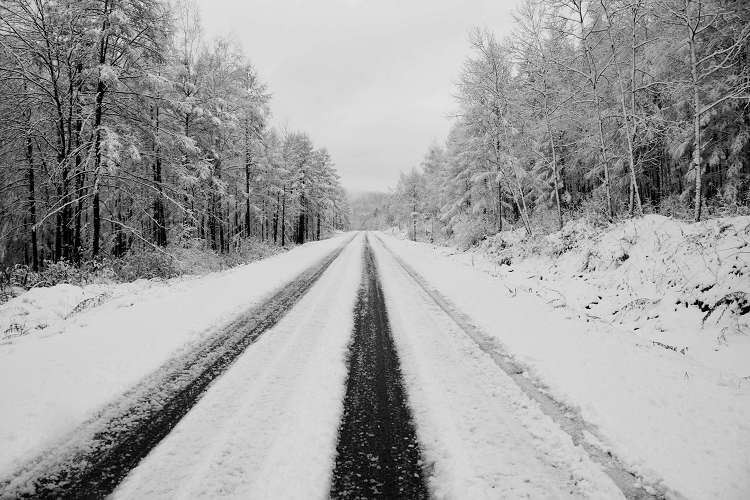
[469, 232]
[651, 272]
[62, 290]
[39, 308]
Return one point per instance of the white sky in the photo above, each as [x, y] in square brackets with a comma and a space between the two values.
[370, 80]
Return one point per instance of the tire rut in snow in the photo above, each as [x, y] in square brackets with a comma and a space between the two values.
[94, 459]
[632, 486]
[378, 455]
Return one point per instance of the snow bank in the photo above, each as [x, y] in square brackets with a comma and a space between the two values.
[685, 286]
[41, 310]
[79, 348]
[669, 394]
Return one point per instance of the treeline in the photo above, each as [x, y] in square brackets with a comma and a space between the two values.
[608, 108]
[123, 131]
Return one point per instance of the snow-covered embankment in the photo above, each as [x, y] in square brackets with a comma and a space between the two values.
[601, 320]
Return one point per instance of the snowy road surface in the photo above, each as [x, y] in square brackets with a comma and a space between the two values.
[680, 424]
[370, 385]
[378, 452]
[267, 429]
[481, 436]
[57, 378]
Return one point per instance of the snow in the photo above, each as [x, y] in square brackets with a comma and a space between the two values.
[610, 322]
[681, 420]
[80, 348]
[647, 275]
[268, 427]
[481, 436]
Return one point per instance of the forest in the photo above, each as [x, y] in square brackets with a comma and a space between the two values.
[602, 109]
[126, 133]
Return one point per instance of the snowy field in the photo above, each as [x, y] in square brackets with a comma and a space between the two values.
[679, 415]
[86, 346]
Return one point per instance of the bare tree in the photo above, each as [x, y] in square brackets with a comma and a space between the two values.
[715, 37]
[593, 71]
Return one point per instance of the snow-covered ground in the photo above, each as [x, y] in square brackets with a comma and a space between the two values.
[83, 347]
[613, 323]
[590, 315]
[654, 276]
[481, 436]
[268, 427]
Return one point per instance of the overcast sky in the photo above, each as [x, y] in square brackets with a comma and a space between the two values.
[370, 80]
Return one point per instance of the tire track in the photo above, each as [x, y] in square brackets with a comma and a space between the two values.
[568, 418]
[378, 455]
[93, 460]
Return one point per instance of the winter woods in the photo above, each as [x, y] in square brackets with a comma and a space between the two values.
[125, 130]
[608, 108]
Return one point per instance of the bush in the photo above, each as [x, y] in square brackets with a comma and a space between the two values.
[592, 209]
[14, 280]
[544, 220]
[187, 256]
[146, 264]
[675, 206]
[468, 233]
[56, 273]
[721, 207]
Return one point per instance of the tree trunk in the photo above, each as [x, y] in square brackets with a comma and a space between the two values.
[629, 132]
[248, 163]
[496, 146]
[521, 206]
[301, 223]
[222, 223]
[247, 201]
[554, 163]
[696, 131]
[218, 209]
[594, 79]
[98, 113]
[499, 206]
[414, 221]
[524, 211]
[79, 190]
[32, 204]
[58, 233]
[263, 219]
[96, 223]
[605, 159]
[160, 223]
[276, 218]
[633, 131]
[283, 217]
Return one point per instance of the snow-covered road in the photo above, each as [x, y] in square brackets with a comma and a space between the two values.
[78, 359]
[481, 436]
[677, 424]
[269, 426]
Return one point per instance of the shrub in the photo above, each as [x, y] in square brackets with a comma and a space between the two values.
[592, 209]
[675, 206]
[187, 256]
[468, 233]
[146, 264]
[62, 272]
